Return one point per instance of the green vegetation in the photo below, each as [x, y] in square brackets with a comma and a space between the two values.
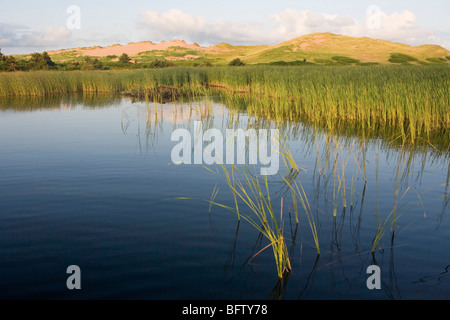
[367, 63]
[37, 61]
[436, 60]
[7, 63]
[254, 204]
[236, 63]
[91, 64]
[401, 58]
[319, 48]
[124, 58]
[255, 195]
[41, 62]
[291, 63]
[344, 60]
[410, 101]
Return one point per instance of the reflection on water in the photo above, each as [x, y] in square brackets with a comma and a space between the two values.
[374, 202]
[58, 102]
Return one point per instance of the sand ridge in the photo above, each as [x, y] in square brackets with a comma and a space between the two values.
[134, 48]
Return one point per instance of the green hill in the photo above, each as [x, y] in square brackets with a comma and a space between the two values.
[318, 48]
[323, 47]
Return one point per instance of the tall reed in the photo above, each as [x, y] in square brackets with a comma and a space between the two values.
[411, 100]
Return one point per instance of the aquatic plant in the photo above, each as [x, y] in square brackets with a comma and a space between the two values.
[411, 101]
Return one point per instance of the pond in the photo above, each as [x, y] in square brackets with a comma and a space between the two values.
[91, 181]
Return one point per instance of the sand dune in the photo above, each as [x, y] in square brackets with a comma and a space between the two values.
[310, 47]
[133, 49]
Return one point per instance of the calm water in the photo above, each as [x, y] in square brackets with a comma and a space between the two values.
[90, 182]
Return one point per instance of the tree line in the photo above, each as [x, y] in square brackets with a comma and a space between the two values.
[37, 61]
[43, 61]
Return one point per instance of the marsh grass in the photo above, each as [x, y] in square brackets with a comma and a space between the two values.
[341, 184]
[411, 101]
[396, 103]
[254, 205]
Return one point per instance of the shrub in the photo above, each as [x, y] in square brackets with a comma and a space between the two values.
[237, 63]
[91, 64]
[401, 58]
[324, 61]
[367, 63]
[436, 60]
[124, 58]
[291, 63]
[41, 62]
[344, 60]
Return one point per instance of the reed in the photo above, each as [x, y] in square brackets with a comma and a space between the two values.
[254, 204]
[411, 101]
[254, 194]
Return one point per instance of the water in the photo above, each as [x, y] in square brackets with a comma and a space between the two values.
[89, 181]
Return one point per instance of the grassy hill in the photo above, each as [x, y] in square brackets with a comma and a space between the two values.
[321, 48]
[317, 48]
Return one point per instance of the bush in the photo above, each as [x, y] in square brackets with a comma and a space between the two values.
[124, 58]
[91, 64]
[7, 63]
[291, 63]
[237, 63]
[324, 61]
[157, 64]
[401, 58]
[436, 60]
[40, 61]
[344, 60]
[365, 64]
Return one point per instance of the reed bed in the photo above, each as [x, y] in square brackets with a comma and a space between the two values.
[413, 100]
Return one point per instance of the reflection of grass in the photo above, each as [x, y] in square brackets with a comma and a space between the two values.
[254, 193]
[341, 168]
[411, 102]
[253, 203]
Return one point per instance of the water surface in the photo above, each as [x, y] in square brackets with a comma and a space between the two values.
[89, 181]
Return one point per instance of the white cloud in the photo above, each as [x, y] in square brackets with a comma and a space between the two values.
[282, 26]
[22, 36]
[51, 36]
[178, 24]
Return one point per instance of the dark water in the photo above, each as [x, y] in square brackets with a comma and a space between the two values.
[90, 182]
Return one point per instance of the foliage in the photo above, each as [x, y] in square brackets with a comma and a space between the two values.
[158, 64]
[237, 63]
[412, 101]
[91, 64]
[124, 58]
[41, 61]
[291, 63]
[401, 58]
[367, 64]
[7, 63]
[324, 61]
[436, 60]
[344, 60]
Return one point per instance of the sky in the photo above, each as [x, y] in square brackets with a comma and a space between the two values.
[37, 26]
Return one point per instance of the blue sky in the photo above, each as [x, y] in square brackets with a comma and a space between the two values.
[27, 26]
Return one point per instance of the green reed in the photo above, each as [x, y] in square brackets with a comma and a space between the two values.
[259, 211]
[411, 100]
[253, 203]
